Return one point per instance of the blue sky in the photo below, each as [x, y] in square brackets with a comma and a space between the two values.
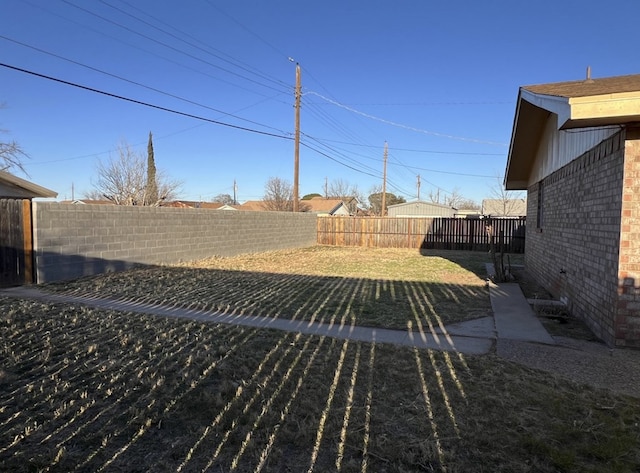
[436, 80]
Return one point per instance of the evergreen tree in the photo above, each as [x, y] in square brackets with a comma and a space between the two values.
[151, 193]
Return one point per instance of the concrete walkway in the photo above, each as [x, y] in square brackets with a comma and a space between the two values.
[513, 319]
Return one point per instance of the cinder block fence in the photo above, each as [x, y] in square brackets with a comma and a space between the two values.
[72, 241]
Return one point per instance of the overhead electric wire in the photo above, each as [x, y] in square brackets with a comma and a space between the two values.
[146, 104]
[379, 159]
[347, 158]
[400, 125]
[146, 51]
[168, 46]
[370, 171]
[331, 123]
[337, 161]
[342, 157]
[253, 33]
[235, 64]
[425, 151]
[168, 94]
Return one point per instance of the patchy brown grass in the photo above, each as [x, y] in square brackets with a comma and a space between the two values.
[390, 288]
[84, 389]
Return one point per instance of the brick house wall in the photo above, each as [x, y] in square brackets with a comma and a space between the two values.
[627, 318]
[573, 237]
[71, 241]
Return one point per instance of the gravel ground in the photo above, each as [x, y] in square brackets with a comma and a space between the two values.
[585, 362]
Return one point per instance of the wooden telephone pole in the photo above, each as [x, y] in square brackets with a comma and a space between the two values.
[296, 148]
[384, 181]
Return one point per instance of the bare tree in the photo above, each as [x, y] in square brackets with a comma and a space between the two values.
[340, 189]
[123, 180]
[434, 196]
[11, 154]
[469, 204]
[454, 198]
[506, 202]
[278, 195]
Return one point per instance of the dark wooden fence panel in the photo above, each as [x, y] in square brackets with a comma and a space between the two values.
[424, 233]
[475, 234]
[15, 242]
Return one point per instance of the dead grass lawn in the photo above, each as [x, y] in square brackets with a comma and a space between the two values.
[391, 288]
[91, 390]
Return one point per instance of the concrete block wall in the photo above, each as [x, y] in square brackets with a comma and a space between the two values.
[72, 241]
[574, 250]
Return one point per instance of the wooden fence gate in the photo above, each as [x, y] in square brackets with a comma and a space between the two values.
[16, 244]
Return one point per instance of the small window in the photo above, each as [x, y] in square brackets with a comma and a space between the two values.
[540, 212]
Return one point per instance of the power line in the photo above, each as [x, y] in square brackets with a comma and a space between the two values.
[423, 104]
[130, 30]
[410, 150]
[338, 161]
[146, 104]
[146, 51]
[168, 94]
[399, 163]
[235, 64]
[251, 32]
[400, 125]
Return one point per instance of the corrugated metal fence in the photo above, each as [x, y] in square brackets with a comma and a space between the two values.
[426, 233]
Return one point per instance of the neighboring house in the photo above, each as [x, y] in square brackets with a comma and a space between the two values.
[468, 213]
[575, 149]
[227, 207]
[504, 207]
[420, 208]
[326, 207]
[88, 201]
[352, 203]
[192, 204]
[13, 187]
[255, 205]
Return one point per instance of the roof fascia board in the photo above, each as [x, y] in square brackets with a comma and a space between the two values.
[516, 117]
[605, 106]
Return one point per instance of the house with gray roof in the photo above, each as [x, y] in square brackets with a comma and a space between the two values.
[575, 150]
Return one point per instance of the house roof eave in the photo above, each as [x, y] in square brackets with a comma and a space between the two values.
[610, 101]
[33, 190]
[528, 125]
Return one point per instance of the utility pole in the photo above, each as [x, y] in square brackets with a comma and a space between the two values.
[384, 181]
[326, 187]
[296, 148]
[418, 186]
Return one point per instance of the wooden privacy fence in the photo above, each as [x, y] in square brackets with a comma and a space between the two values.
[470, 234]
[16, 264]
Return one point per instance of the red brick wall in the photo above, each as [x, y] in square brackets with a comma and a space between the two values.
[627, 326]
[574, 251]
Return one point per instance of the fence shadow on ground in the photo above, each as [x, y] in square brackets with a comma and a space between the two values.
[394, 304]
